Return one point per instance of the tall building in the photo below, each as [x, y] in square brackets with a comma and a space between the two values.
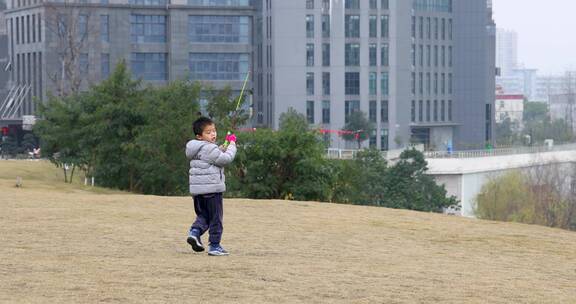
[506, 51]
[63, 46]
[423, 70]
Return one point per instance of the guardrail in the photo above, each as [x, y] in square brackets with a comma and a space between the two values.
[351, 153]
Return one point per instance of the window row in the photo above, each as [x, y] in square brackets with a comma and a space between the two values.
[351, 54]
[431, 111]
[431, 55]
[202, 66]
[350, 4]
[442, 6]
[351, 83]
[26, 29]
[351, 26]
[436, 83]
[432, 28]
[350, 107]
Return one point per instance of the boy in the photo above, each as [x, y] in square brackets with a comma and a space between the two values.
[207, 183]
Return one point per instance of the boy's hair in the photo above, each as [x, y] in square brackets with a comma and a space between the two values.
[201, 123]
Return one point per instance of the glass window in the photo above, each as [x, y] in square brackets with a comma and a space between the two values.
[310, 111]
[325, 54]
[83, 62]
[450, 29]
[326, 83]
[384, 111]
[421, 27]
[384, 83]
[325, 111]
[449, 110]
[148, 2]
[428, 110]
[443, 56]
[372, 111]
[443, 110]
[421, 83]
[385, 4]
[82, 26]
[104, 65]
[428, 55]
[352, 83]
[372, 54]
[435, 55]
[435, 110]
[436, 28]
[428, 28]
[372, 26]
[352, 4]
[413, 31]
[352, 26]
[309, 4]
[384, 139]
[372, 83]
[449, 83]
[149, 66]
[413, 83]
[373, 139]
[435, 83]
[310, 84]
[384, 54]
[413, 111]
[384, 26]
[219, 2]
[352, 54]
[420, 110]
[326, 4]
[218, 66]
[310, 26]
[449, 56]
[310, 54]
[443, 29]
[219, 29]
[325, 26]
[373, 4]
[443, 83]
[104, 28]
[413, 54]
[428, 83]
[147, 28]
[350, 106]
[421, 55]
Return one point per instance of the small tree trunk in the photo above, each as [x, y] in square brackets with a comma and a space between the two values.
[65, 173]
[72, 173]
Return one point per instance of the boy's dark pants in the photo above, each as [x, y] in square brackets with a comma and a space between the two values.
[209, 213]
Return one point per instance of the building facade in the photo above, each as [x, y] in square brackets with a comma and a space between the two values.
[62, 46]
[422, 70]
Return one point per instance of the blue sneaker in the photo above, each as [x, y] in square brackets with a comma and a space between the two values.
[194, 240]
[217, 250]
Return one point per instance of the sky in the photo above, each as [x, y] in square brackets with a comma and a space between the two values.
[546, 32]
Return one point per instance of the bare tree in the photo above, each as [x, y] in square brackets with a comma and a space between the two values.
[70, 24]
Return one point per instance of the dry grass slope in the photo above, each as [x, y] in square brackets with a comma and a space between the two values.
[69, 244]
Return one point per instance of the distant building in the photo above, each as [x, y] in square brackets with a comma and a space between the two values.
[563, 106]
[506, 51]
[509, 106]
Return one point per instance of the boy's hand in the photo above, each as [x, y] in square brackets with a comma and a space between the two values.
[231, 138]
[222, 148]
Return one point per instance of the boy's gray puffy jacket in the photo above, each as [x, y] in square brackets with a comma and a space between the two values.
[206, 166]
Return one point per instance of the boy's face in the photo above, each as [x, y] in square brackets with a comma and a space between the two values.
[208, 134]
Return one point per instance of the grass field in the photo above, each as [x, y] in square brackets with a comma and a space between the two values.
[70, 244]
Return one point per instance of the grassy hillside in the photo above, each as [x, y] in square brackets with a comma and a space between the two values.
[71, 244]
